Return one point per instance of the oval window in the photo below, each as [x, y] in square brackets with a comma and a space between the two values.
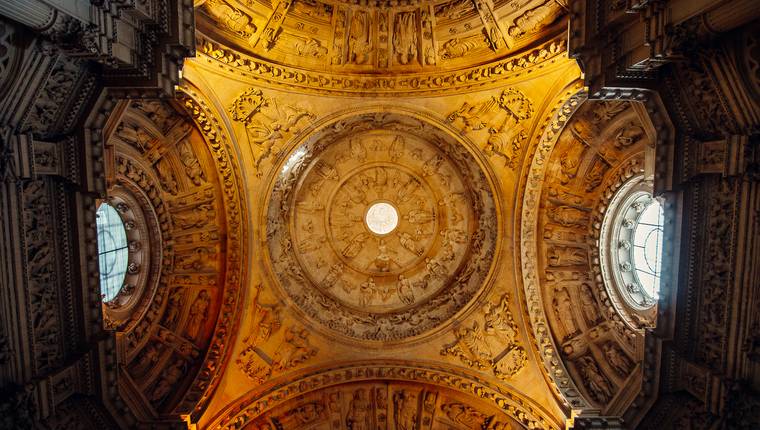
[631, 245]
[113, 254]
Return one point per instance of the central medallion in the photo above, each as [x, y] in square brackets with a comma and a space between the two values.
[381, 218]
[381, 232]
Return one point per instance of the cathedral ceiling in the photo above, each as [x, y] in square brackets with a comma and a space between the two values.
[318, 111]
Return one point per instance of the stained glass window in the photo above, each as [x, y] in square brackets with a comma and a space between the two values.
[112, 251]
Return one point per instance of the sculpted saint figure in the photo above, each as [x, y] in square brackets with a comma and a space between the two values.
[192, 166]
[355, 245]
[435, 269]
[404, 288]
[359, 46]
[199, 217]
[405, 410]
[600, 387]
[588, 304]
[419, 216]
[564, 256]
[358, 411]
[567, 216]
[563, 309]
[367, 291]
[170, 377]
[332, 276]
[198, 314]
[405, 37]
[617, 359]
[408, 242]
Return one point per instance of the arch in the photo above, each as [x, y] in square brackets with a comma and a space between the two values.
[246, 410]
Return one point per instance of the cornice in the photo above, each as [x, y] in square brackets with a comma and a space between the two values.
[217, 57]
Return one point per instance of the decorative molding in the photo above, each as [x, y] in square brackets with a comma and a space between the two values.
[263, 73]
[264, 398]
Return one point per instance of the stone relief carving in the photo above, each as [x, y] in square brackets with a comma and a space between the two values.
[360, 45]
[333, 264]
[267, 73]
[366, 400]
[502, 117]
[405, 37]
[563, 309]
[231, 18]
[259, 359]
[190, 161]
[41, 273]
[268, 122]
[310, 48]
[474, 344]
[617, 359]
[535, 19]
[598, 385]
[198, 315]
[456, 47]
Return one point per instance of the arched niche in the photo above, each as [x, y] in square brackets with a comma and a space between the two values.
[180, 189]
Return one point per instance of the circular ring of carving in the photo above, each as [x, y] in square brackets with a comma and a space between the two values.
[403, 279]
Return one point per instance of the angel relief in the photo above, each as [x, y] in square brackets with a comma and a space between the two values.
[503, 117]
[292, 350]
[268, 122]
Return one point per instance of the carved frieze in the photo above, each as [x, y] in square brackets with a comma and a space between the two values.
[387, 395]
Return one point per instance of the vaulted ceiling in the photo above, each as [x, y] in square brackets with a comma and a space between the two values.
[481, 309]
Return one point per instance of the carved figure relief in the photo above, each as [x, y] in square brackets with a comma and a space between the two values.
[599, 387]
[310, 48]
[197, 315]
[589, 305]
[568, 216]
[359, 37]
[563, 310]
[405, 37]
[628, 135]
[169, 378]
[360, 409]
[535, 19]
[456, 48]
[405, 410]
[617, 359]
[503, 118]
[561, 256]
[190, 161]
[231, 18]
[268, 122]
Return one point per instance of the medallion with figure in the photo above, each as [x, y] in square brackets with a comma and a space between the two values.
[381, 232]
